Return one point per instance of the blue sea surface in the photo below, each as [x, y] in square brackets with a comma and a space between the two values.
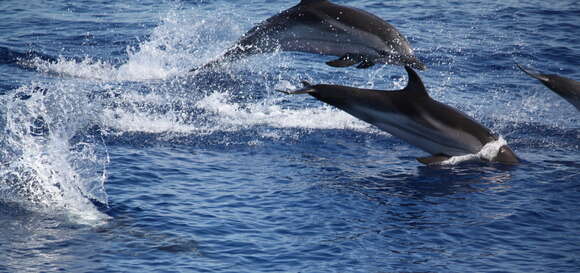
[113, 158]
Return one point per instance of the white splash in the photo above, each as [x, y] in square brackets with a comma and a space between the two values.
[88, 68]
[488, 152]
[124, 121]
[232, 116]
[180, 42]
[284, 85]
[216, 113]
[43, 168]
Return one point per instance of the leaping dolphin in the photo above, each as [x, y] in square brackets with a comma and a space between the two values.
[321, 27]
[567, 88]
[412, 115]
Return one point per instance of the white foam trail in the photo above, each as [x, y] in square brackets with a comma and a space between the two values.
[140, 113]
[218, 114]
[267, 112]
[180, 42]
[147, 64]
[145, 122]
[488, 152]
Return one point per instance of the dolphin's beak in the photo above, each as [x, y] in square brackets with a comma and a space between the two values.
[506, 156]
[537, 76]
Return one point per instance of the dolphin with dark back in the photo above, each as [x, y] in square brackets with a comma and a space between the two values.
[321, 27]
[412, 115]
[567, 88]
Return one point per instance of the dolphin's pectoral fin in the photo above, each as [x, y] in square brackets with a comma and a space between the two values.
[347, 60]
[365, 64]
[350, 59]
[432, 160]
[306, 89]
[341, 63]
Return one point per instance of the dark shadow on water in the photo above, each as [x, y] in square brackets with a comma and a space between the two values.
[432, 181]
[136, 234]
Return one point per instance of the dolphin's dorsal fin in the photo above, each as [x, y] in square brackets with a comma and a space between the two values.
[415, 84]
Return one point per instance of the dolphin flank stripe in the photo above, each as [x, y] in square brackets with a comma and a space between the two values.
[422, 131]
[430, 135]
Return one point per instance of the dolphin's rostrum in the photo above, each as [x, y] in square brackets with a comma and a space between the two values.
[321, 27]
[567, 88]
[412, 115]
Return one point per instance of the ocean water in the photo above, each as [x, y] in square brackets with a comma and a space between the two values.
[113, 158]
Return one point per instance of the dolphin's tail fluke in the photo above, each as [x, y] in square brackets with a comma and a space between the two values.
[308, 88]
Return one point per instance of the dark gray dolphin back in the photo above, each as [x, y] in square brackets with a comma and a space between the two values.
[306, 2]
[567, 88]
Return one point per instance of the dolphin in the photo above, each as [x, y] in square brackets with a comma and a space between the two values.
[568, 89]
[412, 115]
[321, 27]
